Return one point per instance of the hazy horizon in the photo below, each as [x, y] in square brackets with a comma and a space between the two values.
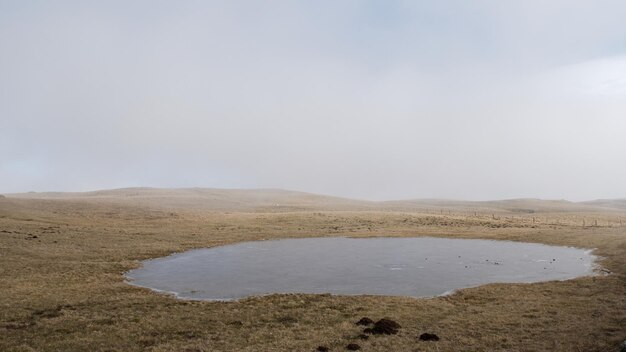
[375, 100]
[305, 192]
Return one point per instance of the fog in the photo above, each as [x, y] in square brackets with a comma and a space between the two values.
[365, 99]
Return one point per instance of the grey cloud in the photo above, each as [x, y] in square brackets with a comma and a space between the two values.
[372, 100]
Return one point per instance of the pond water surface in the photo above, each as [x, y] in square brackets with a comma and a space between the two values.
[417, 267]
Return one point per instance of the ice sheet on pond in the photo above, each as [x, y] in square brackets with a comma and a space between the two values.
[417, 267]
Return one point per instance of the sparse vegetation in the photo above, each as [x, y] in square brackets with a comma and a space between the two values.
[63, 258]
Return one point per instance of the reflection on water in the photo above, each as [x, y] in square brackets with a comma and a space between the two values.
[417, 267]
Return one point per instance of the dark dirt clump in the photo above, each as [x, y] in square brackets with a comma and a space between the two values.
[384, 326]
[365, 321]
[322, 349]
[363, 337]
[429, 337]
[353, 347]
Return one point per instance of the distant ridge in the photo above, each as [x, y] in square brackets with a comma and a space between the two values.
[208, 198]
[284, 200]
[608, 203]
[521, 205]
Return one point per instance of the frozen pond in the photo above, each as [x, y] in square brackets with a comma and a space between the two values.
[417, 267]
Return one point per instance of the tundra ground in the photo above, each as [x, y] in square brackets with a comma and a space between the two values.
[62, 263]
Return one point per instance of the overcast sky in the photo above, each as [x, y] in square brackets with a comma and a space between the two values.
[366, 99]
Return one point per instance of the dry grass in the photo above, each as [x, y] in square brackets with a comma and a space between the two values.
[62, 260]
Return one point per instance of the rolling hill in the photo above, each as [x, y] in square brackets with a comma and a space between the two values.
[211, 199]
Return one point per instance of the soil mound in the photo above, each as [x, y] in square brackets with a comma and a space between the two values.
[429, 337]
[384, 326]
[365, 321]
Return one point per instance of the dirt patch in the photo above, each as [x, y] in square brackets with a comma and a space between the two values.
[428, 337]
[365, 321]
[384, 327]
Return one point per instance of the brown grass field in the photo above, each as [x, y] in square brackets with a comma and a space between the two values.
[63, 256]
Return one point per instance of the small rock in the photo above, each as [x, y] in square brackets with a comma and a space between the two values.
[429, 337]
[384, 326]
[322, 349]
[365, 321]
[623, 347]
[353, 347]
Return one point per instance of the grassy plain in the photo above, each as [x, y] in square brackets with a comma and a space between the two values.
[62, 259]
